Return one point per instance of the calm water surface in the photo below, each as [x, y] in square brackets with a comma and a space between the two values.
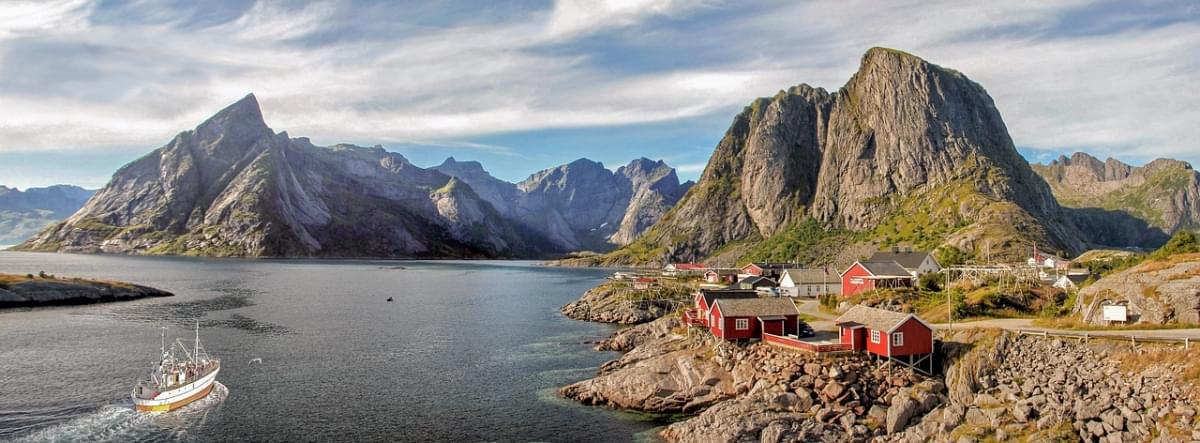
[469, 351]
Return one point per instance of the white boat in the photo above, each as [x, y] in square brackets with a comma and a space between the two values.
[177, 381]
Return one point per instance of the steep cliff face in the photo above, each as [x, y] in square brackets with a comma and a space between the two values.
[232, 187]
[580, 205]
[903, 141]
[1125, 205]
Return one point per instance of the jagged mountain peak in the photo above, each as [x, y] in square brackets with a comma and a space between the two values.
[240, 119]
[466, 166]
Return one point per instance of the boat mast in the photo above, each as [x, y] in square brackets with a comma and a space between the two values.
[196, 346]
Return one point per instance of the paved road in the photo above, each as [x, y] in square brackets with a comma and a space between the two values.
[1026, 324]
[813, 309]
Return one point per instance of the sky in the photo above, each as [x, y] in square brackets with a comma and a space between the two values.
[86, 86]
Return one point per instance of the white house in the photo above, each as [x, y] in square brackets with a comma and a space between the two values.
[915, 262]
[808, 283]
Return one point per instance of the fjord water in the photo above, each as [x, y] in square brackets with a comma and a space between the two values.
[468, 351]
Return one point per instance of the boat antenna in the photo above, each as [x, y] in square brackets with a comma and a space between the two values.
[162, 348]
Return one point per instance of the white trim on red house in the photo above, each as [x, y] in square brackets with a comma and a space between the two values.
[906, 319]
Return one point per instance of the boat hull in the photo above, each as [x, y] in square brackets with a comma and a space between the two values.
[178, 397]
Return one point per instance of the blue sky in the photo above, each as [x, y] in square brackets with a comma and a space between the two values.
[521, 86]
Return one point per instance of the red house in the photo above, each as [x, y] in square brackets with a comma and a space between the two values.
[706, 298]
[897, 336]
[749, 318]
[761, 269]
[865, 276]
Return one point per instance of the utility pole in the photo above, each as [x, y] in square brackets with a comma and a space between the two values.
[949, 301]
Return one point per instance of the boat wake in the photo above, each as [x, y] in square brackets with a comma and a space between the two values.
[119, 422]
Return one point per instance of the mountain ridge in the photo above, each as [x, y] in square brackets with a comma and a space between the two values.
[231, 186]
[903, 140]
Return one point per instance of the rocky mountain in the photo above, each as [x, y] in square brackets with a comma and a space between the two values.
[580, 205]
[24, 213]
[1117, 201]
[234, 187]
[906, 152]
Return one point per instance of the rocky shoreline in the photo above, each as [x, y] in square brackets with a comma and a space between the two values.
[997, 386]
[615, 302]
[37, 291]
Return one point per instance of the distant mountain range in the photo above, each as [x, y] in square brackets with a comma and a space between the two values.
[1164, 194]
[906, 153]
[234, 187]
[24, 213]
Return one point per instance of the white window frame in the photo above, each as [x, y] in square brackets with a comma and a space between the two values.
[898, 339]
[875, 336]
[712, 320]
[741, 324]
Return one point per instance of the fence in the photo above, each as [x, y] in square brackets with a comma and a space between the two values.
[1085, 337]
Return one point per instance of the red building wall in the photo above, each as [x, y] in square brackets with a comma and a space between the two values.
[918, 339]
[855, 281]
[856, 338]
[752, 270]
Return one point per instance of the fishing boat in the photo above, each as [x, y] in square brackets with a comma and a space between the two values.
[181, 376]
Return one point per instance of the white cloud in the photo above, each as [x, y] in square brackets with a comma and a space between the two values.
[1128, 92]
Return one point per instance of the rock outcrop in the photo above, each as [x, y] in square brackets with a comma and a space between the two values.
[25, 213]
[1165, 292]
[21, 292]
[233, 187]
[1119, 204]
[618, 302]
[1038, 389]
[907, 151]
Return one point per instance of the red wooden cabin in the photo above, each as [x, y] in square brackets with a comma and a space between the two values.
[865, 276]
[893, 335]
[706, 298]
[748, 318]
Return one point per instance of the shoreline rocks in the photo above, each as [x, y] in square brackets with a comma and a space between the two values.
[25, 292]
[615, 302]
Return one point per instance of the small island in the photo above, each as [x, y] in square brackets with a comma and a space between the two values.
[29, 290]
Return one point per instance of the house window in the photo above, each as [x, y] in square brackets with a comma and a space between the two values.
[742, 324]
[874, 336]
[898, 339]
[712, 320]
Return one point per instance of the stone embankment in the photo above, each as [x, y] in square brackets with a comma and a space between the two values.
[30, 291]
[1010, 387]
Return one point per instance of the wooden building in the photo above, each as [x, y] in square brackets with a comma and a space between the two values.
[808, 283]
[897, 336]
[749, 318]
[865, 276]
[763, 269]
[704, 300]
[915, 262]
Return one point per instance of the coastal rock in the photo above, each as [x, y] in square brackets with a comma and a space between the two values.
[610, 302]
[17, 291]
[628, 338]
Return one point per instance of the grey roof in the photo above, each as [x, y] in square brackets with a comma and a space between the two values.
[808, 275]
[769, 265]
[757, 307]
[909, 260]
[712, 295]
[757, 282]
[885, 268]
[874, 318]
